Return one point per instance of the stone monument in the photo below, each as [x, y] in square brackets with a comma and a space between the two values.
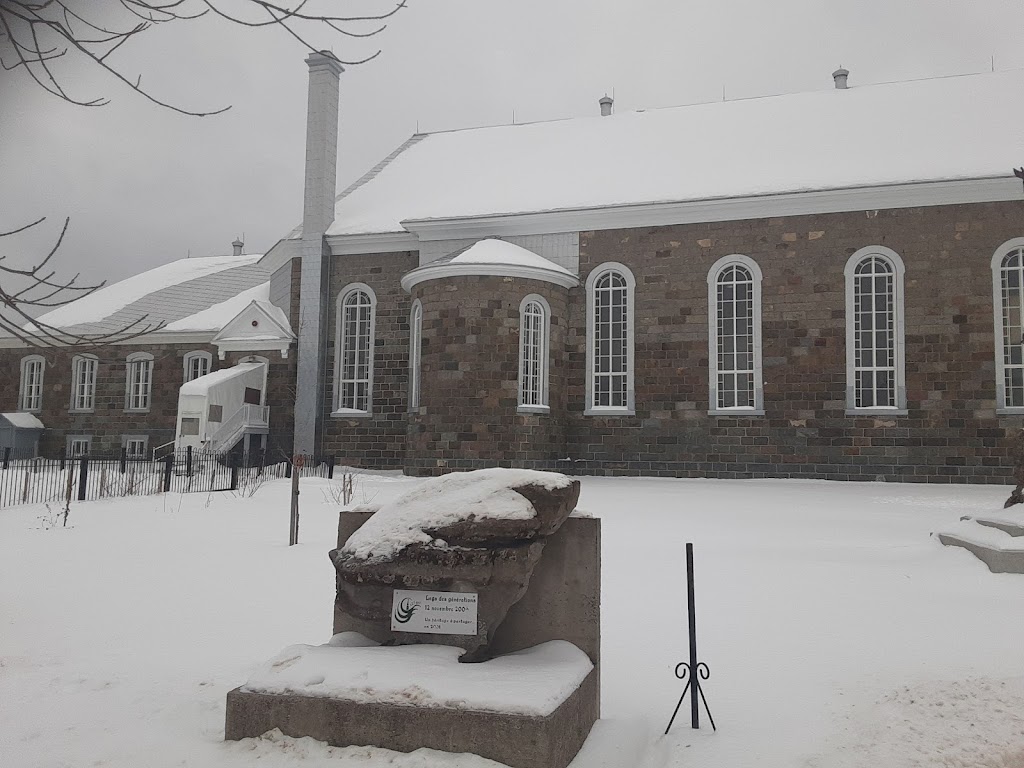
[488, 567]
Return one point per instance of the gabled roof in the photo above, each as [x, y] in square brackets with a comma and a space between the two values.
[165, 294]
[260, 325]
[966, 127]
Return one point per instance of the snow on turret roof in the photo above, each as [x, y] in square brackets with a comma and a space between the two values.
[492, 251]
[165, 294]
[927, 130]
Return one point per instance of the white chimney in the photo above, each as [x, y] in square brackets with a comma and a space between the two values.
[238, 245]
[839, 76]
[606, 105]
[317, 216]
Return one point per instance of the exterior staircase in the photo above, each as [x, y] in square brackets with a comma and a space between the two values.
[249, 419]
[997, 540]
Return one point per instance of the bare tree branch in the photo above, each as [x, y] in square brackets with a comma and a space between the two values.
[40, 288]
[34, 33]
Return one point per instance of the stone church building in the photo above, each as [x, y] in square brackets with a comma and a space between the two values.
[817, 285]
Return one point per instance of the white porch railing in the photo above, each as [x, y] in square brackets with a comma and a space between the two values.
[248, 418]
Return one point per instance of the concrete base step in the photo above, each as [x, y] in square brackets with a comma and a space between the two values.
[1012, 527]
[990, 543]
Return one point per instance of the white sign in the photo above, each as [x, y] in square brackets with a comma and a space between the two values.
[438, 613]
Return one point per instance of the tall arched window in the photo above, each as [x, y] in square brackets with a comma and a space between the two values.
[31, 393]
[534, 335]
[734, 337]
[83, 382]
[354, 350]
[1008, 304]
[196, 363]
[610, 340]
[415, 347]
[139, 381]
[875, 331]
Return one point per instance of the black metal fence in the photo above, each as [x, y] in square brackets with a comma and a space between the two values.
[38, 480]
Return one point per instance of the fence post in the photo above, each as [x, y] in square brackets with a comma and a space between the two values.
[168, 467]
[63, 461]
[83, 476]
[234, 475]
[330, 466]
[288, 469]
[263, 461]
[188, 460]
[124, 460]
[7, 457]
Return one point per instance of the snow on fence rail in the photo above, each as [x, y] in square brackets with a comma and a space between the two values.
[38, 480]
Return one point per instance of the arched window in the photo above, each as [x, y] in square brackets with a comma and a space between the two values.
[196, 363]
[31, 393]
[415, 346]
[138, 381]
[734, 337]
[874, 331]
[83, 382]
[534, 335]
[610, 340]
[1008, 303]
[354, 350]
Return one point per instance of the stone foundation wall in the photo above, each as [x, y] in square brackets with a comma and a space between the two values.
[951, 432]
[376, 441]
[470, 376]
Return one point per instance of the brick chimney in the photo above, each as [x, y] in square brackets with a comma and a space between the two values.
[238, 245]
[839, 76]
[606, 103]
[317, 216]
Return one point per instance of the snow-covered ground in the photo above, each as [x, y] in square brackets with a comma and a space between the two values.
[838, 632]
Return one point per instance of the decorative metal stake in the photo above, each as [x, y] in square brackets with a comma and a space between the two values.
[694, 671]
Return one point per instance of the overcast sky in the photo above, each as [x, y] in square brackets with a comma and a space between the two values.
[144, 186]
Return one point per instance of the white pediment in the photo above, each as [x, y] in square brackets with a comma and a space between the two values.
[260, 326]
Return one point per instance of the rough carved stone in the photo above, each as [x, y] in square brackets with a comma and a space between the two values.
[492, 557]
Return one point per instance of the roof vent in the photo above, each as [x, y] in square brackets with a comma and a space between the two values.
[238, 245]
[606, 105]
[840, 77]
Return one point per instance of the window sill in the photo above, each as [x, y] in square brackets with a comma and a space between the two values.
[876, 411]
[609, 412]
[350, 413]
[81, 410]
[136, 410]
[1010, 411]
[538, 409]
[736, 412]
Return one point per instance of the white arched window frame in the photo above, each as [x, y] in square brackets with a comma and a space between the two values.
[195, 364]
[735, 383]
[415, 352]
[534, 353]
[83, 382]
[353, 347]
[1008, 309]
[138, 390]
[30, 396]
[875, 333]
[610, 289]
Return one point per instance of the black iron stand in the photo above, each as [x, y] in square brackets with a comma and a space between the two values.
[694, 671]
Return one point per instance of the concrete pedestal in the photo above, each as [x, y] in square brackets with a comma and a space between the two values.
[520, 741]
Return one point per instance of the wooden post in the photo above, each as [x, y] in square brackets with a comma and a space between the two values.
[7, 457]
[234, 475]
[168, 467]
[293, 533]
[330, 466]
[83, 478]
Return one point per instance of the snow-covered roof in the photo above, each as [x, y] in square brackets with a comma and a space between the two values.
[23, 420]
[214, 318]
[492, 251]
[203, 384]
[929, 130]
[167, 294]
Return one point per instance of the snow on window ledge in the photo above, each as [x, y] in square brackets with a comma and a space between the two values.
[876, 411]
[599, 411]
[541, 409]
[350, 413]
[736, 412]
